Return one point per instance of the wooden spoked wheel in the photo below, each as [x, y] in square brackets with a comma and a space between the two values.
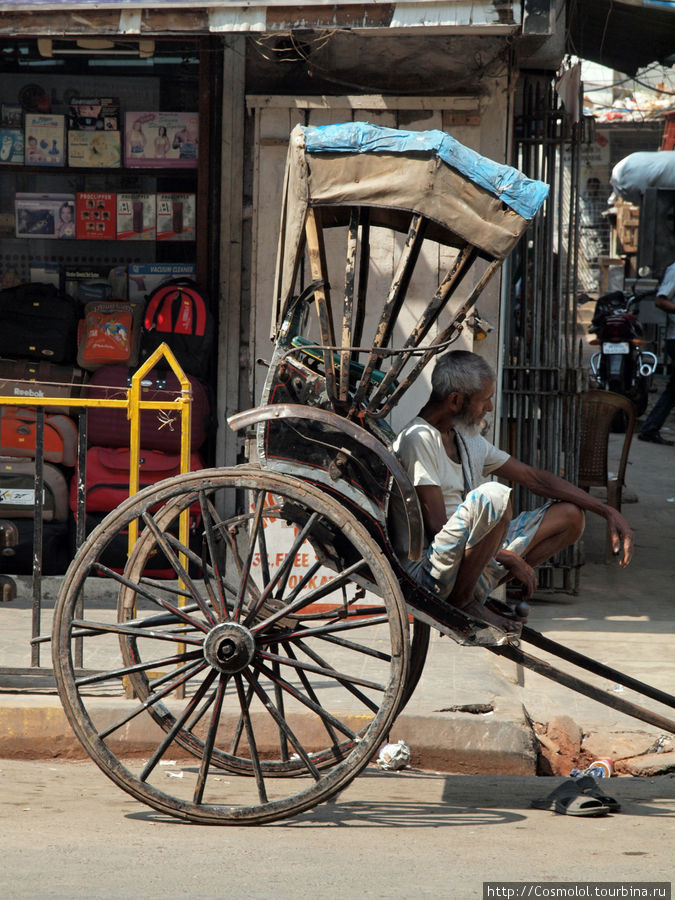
[273, 652]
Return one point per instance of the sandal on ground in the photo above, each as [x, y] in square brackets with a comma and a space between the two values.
[568, 799]
[580, 805]
[589, 787]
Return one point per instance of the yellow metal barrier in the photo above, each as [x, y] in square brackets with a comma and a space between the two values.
[134, 405]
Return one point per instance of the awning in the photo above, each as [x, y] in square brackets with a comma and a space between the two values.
[623, 34]
[229, 16]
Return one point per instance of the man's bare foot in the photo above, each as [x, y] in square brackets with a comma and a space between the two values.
[484, 613]
[508, 611]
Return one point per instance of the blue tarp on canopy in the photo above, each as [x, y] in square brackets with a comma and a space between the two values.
[522, 194]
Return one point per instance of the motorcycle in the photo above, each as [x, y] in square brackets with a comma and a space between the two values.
[621, 365]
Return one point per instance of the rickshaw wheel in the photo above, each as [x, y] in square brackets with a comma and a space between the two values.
[278, 649]
[419, 647]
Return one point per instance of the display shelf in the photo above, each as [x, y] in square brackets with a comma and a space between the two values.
[168, 173]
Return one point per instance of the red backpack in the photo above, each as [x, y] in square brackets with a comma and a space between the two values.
[178, 314]
[107, 335]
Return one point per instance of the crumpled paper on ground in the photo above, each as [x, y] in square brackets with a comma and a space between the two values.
[394, 756]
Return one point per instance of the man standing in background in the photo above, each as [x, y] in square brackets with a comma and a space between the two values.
[665, 300]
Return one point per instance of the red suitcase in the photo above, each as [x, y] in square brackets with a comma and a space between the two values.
[107, 483]
[17, 491]
[39, 379]
[160, 430]
[18, 432]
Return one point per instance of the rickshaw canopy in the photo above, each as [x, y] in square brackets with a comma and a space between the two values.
[467, 198]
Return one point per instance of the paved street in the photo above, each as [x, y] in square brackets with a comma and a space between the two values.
[69, 832]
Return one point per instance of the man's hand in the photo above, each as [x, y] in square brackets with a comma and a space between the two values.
[621, 536]
[519, 570]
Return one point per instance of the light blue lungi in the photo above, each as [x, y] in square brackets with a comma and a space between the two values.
[475, 517]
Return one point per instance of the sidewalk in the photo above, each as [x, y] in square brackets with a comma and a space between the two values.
[472, 711]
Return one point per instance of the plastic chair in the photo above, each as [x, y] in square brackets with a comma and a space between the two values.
[598, 410]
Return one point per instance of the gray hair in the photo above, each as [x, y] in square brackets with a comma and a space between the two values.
[460, 371]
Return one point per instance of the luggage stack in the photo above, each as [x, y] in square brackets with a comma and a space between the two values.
[62, 347]
[175, 313]
[38, 328]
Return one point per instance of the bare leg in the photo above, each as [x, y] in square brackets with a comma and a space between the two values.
[562, 525]
[475, 559]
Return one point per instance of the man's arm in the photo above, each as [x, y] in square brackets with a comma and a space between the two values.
[551, 486]
[433, 508]
[662, 302]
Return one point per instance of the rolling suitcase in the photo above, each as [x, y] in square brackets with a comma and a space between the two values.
[160, 429]
[38, 322]
[40, 379]
[107, 480]
[18, 435]
[17, 491]
[56, 549]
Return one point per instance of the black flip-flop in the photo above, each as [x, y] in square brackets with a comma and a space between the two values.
[591, 788]
[570, 800]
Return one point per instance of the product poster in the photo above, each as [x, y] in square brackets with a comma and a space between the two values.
[136, 217]
[96, 216]
[11, 146]
[94, 149]
[49, 216]
[176, 217]
[161, 140]
[94, 114]
[145, 277]
[44, 139]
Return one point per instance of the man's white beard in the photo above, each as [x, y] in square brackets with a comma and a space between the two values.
[472, 430]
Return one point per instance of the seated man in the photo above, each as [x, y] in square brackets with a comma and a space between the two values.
[474, 543]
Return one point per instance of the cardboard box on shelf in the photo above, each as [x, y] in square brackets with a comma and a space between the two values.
[161, 140]
[45, 272]
[94, 114]
[11, 115]
[11, 146]
[94, 149]
[50, 216]
[136, 217]
[176, 217]
[44, 139]
[96, 216]
[145, 277]
[83, 274]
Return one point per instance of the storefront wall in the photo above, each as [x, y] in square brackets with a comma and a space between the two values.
[478, 121]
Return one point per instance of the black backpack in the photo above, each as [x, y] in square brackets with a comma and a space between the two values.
[177, 313]
[37, 321]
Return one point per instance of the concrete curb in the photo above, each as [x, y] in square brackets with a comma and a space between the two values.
[501, 742]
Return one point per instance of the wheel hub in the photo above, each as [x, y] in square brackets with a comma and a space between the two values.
[229, 647]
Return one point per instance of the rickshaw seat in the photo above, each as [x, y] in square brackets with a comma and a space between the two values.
[309, 348]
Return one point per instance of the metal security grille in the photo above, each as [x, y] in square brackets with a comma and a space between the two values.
[542, 374]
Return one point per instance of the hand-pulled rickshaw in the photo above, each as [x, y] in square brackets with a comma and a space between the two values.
[275, 639]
